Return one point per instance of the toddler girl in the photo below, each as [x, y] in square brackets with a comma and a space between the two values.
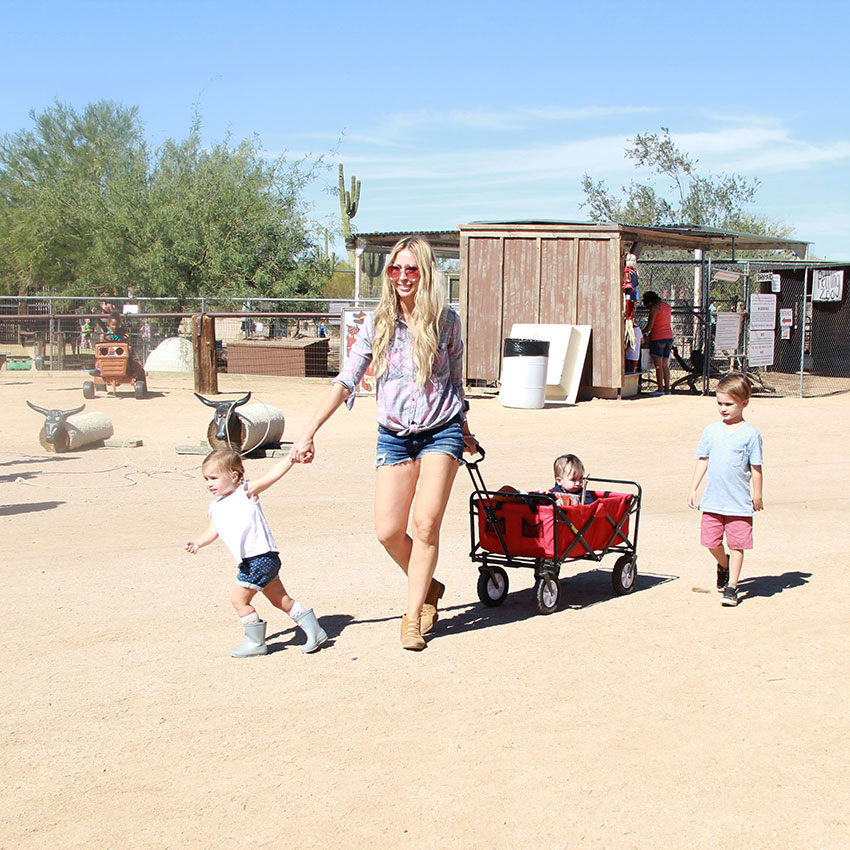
[239, 521]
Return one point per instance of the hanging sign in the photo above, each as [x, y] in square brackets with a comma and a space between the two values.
[352, 321]
[786, 317]
[727, 335]
[827, 284]
[762, 312]
[760, 348]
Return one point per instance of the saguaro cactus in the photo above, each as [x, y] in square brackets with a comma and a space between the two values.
[349, 200]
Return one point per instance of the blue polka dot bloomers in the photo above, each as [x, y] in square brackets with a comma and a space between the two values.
[256, 572]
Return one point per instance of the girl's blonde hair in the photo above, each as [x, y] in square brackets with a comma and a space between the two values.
[227, 461]
[429, 310]
[736, 385]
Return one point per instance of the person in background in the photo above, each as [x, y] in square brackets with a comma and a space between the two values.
[659, 329]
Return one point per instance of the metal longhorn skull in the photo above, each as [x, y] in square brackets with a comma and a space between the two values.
[54, 420]
[223, 413]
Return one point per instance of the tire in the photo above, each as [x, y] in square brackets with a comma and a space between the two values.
[492, 586]
[624, 576]
[140, 388]
[88, 389]
[547, 593]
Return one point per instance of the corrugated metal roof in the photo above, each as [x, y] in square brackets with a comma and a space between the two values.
[446, 243]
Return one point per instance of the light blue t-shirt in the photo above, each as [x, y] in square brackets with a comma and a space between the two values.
[731, 454]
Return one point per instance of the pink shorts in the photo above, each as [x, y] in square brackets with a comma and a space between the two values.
[738, 529]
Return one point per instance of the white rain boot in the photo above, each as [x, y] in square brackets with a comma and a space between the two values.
[254, 643]
[316, 635]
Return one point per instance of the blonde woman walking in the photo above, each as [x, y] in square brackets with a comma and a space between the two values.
[414, 341]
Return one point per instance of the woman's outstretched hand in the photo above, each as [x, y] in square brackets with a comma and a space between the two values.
[302, 450]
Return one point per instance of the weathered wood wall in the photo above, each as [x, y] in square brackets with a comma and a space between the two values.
[541, 274]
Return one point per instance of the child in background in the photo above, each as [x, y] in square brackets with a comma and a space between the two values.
[114, 330]
[236, 517]
[569, 478]
[730, 452]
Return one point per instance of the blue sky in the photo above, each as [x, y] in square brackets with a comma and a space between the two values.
[451, 112]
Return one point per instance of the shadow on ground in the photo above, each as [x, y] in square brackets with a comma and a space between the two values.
[11, 510]
[766, 586]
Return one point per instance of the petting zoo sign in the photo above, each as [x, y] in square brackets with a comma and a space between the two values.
[827, 284]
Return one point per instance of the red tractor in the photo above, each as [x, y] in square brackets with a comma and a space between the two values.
[114, 365]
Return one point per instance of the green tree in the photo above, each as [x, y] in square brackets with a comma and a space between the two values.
[68, 191]
[84, 207]
[685, 198]
[225, 222]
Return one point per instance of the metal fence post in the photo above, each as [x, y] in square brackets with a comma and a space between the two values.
[803, 328]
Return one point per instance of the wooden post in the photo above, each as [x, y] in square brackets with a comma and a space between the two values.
[203, 339]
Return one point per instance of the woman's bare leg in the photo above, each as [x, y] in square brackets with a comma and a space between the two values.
[436, 476]
[394, 489]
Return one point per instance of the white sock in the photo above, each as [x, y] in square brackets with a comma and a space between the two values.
[297, 611]
[250, 619]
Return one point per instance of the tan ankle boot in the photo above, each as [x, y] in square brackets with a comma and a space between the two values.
[429, 614]
[411, 636]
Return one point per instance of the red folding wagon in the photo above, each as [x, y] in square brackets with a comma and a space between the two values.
[533, 530]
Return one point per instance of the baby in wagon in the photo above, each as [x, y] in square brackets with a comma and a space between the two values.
[569, 479]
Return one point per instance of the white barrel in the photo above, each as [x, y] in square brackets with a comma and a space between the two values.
[80, 430]
[256, 425]
[523, 379]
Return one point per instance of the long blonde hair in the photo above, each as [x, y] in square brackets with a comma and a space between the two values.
[429, 310]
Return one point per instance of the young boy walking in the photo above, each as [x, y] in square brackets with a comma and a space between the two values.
[729, 456]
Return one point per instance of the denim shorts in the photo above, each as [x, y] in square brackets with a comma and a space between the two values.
[660, 347]
[256, 572]
[445, 440]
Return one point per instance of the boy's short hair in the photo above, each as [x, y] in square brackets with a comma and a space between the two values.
[736, 385]
[568, 462]
[227, 461]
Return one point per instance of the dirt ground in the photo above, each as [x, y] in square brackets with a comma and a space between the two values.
[655, 720]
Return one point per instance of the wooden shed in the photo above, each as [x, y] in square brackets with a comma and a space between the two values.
[541, 272]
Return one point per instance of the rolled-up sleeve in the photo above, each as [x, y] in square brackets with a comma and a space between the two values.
[455, 352]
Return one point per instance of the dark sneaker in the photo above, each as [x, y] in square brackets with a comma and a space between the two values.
[722, 578]
[730, 596]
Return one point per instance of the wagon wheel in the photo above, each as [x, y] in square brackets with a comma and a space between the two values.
[624, 576]
[547, 592]
[492, 586]
[140, 388]
[88, 389]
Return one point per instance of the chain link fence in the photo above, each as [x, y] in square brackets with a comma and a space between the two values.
[805, 345]
[809, 339]
[60, 334]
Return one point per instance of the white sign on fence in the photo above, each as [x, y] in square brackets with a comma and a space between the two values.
[762, 312]
[786, 317]
[827, 284]
[760, 348]
[727, 334]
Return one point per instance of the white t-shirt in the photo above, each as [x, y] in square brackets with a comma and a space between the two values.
[633, 353]
[241, 525]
